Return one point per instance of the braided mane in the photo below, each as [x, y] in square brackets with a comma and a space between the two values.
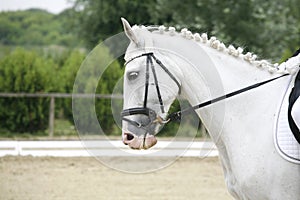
[218, 45]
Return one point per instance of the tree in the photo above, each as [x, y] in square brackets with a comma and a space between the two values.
[98, 20]
[268, 28]
[37, 27]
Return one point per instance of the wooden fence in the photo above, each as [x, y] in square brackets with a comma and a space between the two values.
[53, 96]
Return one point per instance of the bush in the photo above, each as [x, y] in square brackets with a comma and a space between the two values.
[26, 71]
[104, 108]
[87, 81]
[69, 67]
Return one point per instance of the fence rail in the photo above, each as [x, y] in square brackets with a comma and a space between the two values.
[104, 148]
[53, 96]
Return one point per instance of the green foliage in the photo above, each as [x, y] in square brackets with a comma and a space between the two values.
[30, 72]
[97, 66]
[101, 19]
[268, 28]
[70, 63]
[36, 27]
[25, 71]
[104, 107]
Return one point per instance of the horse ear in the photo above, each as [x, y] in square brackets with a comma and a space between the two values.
[129, 32]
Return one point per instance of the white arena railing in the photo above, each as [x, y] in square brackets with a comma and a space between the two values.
[104, 148]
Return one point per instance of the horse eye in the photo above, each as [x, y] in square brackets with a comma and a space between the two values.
[132, 75]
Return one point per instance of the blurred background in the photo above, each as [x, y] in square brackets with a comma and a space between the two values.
[43, 43]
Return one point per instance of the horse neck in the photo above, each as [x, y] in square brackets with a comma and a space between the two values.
[242, 126]
[208, 73]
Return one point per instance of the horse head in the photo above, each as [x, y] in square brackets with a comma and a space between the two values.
[150, 87]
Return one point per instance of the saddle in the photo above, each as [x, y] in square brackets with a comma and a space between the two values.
[294, 95]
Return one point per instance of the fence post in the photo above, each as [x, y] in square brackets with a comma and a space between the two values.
[51, 116]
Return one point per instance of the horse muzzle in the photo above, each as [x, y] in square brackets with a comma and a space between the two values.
[139, 142]
[140, 126]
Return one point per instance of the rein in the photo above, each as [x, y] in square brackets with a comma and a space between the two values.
[176, 116]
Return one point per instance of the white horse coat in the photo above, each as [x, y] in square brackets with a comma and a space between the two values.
[241, 127]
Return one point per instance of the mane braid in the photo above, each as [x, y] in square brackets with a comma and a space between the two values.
[218, 45]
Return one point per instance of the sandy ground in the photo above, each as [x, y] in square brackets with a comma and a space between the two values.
[24, 178]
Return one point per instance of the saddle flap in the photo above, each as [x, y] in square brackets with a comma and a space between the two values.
[294, 95]
[285, 142]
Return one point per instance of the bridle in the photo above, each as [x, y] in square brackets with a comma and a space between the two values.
[176, 116]
[151, 114]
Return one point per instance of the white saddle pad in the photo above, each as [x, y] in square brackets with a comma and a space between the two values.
[285, 142]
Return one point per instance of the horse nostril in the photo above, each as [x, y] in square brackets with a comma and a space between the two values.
[129, 137]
